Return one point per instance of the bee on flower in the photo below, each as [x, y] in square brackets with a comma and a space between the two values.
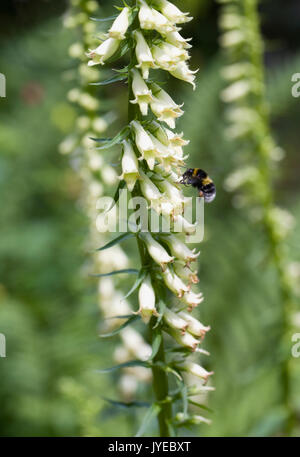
[152, 155]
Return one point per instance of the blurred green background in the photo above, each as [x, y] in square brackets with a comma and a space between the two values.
[48, 307]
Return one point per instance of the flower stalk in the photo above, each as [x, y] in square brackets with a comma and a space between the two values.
[151, 161]
[249, 127]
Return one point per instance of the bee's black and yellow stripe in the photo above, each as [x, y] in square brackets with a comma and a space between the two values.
[198, 178]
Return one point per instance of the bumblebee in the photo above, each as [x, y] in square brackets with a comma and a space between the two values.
[199, 178]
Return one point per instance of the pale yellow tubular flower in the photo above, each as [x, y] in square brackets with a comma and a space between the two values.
[144, 144]
[186, 273]
[177, 40]
[143, 95]
[174, 283]
[171, 12]
[174, 321]
[103, 52]
[180, 250]
[196, 370]
[120, 25]
[194, 326]
[130, 168]
[184, 339]
[143, 54]
[151, 19]
[147, 307]
[182, 71]
[156, 251]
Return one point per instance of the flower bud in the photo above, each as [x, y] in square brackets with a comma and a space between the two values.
[183, 225]
[147, 300]
[180, 250]
[196, 370]
[183, 72]
[174, 320]
[130, 169]
[156, 251]
[186, 273]
[194, 326]
[177, 40]
[120, 25]
[174, 283]
[103, 52]
[192, 300]
[151, 19]
[195, 419]
[184, 339]
[172, 12]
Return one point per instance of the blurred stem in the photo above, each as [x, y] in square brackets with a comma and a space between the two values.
[255, 46]
[160, 377]
[161, 390]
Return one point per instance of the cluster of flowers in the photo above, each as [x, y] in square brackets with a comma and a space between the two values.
[97, 176]
[168, 52]
[152, 155]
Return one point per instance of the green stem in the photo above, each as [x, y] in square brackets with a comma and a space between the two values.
[160, 378]
[276, 246]
[161, 391]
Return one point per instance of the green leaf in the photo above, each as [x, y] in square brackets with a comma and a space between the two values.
[116, 140]
[163, 366]
[161, 309]
[117, 272]
[105, 19]
[100, 140]
[117, 193]
[155, 345]
[131, 404]
[206, 408]
[138, 281]
[122, 237]
[151, 413]
[119, 329]
[121, 316]
[174, 372]
[131, 363]
[113, 79]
